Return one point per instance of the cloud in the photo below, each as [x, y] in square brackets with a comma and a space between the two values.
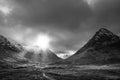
[5, 8]
[63, 13]
[61, 19]
[70, 23]
[65, 54]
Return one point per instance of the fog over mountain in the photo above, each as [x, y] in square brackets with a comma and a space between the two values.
[69, 23]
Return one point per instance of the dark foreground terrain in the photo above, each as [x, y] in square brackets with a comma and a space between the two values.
[61, 72]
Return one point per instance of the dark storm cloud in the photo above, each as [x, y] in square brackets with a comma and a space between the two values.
[107, 13]
[65, 14]
[71, 23]
[60, 18]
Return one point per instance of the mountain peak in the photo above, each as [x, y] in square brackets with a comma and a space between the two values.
[104, 31]
[102, 48]
[105, 35]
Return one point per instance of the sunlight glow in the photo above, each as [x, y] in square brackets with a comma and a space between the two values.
[91, 3]
[42, 41]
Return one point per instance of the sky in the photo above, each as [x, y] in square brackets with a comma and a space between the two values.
[69, 23]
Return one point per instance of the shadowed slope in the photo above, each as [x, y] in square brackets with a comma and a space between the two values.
[8, 47]
[10, 50]
[102, 48]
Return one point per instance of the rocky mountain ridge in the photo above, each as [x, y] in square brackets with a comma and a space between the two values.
[102, 48]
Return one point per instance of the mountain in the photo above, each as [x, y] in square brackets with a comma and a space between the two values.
[10, 50]
[102, 48]
[42, 57]
[7, 43]
[8, 47]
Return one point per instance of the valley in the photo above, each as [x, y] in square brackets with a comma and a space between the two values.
[62, 72]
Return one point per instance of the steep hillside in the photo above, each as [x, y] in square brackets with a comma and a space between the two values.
[102, 48]
[8, 47]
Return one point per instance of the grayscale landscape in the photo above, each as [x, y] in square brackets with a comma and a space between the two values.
[59, 39]
[99, 59]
